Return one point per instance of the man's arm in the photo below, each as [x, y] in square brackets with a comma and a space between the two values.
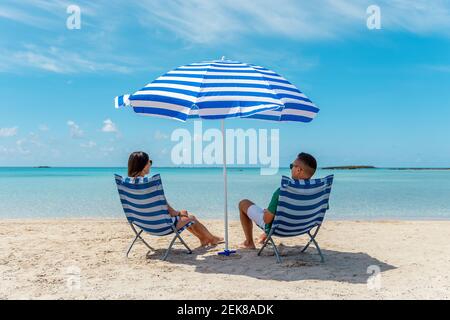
[268, 216]
[269, 213]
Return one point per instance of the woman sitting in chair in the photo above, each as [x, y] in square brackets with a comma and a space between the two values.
[139, 165]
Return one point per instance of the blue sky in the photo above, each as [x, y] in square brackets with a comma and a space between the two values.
[384, 94]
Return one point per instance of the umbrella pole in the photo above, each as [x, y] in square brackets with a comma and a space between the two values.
[226, 252]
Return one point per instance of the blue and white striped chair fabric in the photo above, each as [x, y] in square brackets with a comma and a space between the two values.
[301, 206]
[145, 206]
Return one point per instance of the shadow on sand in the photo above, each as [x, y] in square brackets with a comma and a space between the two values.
[351, 267]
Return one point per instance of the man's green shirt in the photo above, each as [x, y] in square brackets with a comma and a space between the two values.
[273, 208]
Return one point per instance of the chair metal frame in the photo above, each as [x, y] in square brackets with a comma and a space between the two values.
[176, 236]
[311, 240]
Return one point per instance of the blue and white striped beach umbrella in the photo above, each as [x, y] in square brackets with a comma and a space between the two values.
[221, 89]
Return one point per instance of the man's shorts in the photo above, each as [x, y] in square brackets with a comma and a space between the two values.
[257, 215]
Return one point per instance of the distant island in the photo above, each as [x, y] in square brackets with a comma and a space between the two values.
[42, 167]
[348, 167]
[418, 168]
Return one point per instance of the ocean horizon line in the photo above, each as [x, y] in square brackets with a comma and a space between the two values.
[349, 167]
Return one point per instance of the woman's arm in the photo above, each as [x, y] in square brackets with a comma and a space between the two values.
[172, 211]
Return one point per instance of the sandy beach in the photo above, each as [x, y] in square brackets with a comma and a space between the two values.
[84, 259]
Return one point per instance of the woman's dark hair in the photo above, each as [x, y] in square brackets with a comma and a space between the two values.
[137, 162]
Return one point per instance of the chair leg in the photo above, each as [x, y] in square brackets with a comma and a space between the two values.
[276, 250]
[266, 242]
[264, 245]
[313, 240]
[322, 259]
[138, 236]
[146, 244]
[170, 247]
[184, 243]
[176, 236]
[309, 242]
[307, 245]
[269, 240]
[132, 244]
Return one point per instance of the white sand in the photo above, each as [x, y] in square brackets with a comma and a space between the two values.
[39, 258]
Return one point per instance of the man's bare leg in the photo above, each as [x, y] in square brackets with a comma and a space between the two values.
[247, 224]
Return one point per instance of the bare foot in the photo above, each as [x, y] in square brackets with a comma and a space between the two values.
[262, 238]
[211, 241]
[204, 243]
[216, 240]
[247, 245]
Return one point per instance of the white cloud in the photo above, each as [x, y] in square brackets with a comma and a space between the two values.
[21, 148]
[75, 131]
[200, 21]
[109, 126]
[44, 128]
[55, 59]
[107, 150]
[8, 132]
[91, 144]
[41, 14]
[22, 16]
[59, 52]
[159, 135]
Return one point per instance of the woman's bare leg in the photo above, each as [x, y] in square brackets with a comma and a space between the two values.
[210, 239]
[199, 230]
[194, 229]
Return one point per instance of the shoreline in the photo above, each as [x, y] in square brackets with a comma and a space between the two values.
[38, 257]
[219, 219]
[349, 167]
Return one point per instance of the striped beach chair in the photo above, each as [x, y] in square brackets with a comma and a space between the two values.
[146, 209]
[301, 208]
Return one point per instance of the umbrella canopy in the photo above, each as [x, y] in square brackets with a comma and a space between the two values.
[221, 89]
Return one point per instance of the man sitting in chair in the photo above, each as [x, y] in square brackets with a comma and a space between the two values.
[303, 168]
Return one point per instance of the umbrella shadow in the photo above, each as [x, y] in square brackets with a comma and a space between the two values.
[341, 266]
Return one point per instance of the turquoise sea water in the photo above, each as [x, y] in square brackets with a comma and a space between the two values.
[91, 192]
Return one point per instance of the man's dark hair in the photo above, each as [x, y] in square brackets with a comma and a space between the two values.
[308, 159]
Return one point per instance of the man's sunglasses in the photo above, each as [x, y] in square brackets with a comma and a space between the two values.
[292, 165]
[151, 162]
